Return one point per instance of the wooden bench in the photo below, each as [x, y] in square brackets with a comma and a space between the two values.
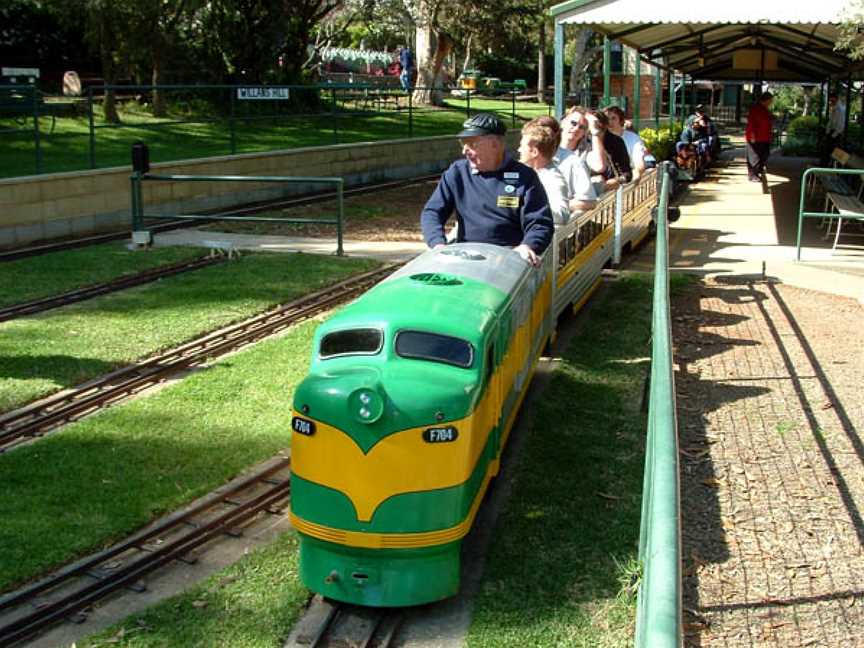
[845, 204]
[833, 182]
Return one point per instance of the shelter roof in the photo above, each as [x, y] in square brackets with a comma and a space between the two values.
[701, 39]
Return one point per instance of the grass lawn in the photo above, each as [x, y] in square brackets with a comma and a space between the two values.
[46, 275]
[561, 567]
[67, 148]
[252, 604]
[104, 477]
[66, 346]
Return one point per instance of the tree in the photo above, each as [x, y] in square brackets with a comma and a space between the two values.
[851, 38]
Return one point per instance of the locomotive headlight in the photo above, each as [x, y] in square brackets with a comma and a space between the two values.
[366, 405]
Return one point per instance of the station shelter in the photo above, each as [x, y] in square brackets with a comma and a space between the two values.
[733, 41]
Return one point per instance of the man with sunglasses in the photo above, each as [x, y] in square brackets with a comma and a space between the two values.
[496, 199]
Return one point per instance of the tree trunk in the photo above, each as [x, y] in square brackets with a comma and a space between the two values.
[466, 65]
[581, 59]
[160, 106]
[425, 61]
[109, 72]
[808, 96]
[541, 63]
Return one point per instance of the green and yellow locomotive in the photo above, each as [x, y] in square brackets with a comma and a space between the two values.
[400, 424]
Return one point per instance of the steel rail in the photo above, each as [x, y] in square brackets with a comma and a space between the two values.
[248, 209]
[121, 283]
[101, 583]
[44, 415]
[365, 626]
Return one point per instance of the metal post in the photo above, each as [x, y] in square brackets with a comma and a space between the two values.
[637, 92]
[513, 107]
[607, 70]
[559, 70]
[658, 95]
[37, 140]
[137, 207]
[860, 120]
[333, 115]
[92, 128]
[340, 216]
[683, 98]
[232, 123]
[410, 114]
[848, 107]
[671, 98]
[619, 217]
[692, 95]
[468, 103]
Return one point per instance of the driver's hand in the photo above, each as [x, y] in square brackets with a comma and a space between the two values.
[529, 255]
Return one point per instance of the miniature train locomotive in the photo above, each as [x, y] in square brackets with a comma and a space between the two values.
[411, 395]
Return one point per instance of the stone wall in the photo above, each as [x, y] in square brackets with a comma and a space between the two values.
[51, 206]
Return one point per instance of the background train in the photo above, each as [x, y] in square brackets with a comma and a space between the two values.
[412, 392]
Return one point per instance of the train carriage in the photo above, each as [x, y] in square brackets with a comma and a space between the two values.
[411, 395]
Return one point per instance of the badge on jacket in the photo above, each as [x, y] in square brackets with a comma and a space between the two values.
[508, 201]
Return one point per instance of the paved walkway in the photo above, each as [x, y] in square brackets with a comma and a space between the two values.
[770, 411]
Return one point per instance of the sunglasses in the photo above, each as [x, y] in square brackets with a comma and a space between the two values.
[578, 125]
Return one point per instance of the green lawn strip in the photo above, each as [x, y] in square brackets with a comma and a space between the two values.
[68, 147]
[63, 347]
[46, 275]
[566, 546]
[252, 604]
[102, 478]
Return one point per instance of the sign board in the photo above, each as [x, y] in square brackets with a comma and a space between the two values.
[22, 72]
[262, 92]
[751, 59]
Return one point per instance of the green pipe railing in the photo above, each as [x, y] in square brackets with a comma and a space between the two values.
[137, 201]
[658, 615]
[808, 214]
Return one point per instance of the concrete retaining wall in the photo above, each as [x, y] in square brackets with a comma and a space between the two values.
[45, 207]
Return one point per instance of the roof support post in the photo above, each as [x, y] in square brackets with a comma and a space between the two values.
[658, 95]
[848, 107]
[559, 70]
[637, 92]
[860, 119]
[607, 70]
[671, 98]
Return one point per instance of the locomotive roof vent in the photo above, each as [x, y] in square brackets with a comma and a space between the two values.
[436, 279]
[464, 255]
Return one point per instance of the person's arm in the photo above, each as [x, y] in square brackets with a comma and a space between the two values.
[537, 225]
[437, 210]
[556, 192]
[638, 160]
[596, 157]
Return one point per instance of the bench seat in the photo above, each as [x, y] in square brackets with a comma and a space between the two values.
[835, 184]
[847, 206]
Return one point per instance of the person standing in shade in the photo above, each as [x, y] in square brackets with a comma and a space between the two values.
[759, 132]
[496, 199]
[406, 68]
[833, 129]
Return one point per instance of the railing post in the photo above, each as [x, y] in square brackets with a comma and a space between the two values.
[92, 127]
[137, 207]
[468, 103]
[232, 123]
[513, 107]
[37, 140]
[340, 216]
[410, 114]
[801, 214]
[619, 217]
[333, 115]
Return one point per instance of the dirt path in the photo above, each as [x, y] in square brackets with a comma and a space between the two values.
[770, 413]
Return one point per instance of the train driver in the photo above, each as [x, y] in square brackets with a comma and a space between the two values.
[496, 199]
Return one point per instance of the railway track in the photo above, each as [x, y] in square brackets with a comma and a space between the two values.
[330, 624]
[243, 210]
[42, 416]
[73, 589]
[121, 283]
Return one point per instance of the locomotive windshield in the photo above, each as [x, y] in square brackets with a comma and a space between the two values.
[435, 347]
[365, 341]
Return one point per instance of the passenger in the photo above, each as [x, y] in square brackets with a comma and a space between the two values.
[536, 150]
[713, 136]
[758, 134]
[833, 129]
[572, 159]
[496, 199]
[617, 169]
[635, 146]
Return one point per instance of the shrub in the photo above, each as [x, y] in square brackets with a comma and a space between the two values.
[660, 142]
[802, 136]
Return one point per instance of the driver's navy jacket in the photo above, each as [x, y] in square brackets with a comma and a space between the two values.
[507, 206]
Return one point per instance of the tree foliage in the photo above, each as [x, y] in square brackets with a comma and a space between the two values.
[851, 39]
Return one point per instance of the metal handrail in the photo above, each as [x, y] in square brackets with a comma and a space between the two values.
[807, 214]
[658, 616]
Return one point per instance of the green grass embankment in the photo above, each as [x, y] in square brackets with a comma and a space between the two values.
[50, 274]
[565, 549]
[63, 347]
[100, 479]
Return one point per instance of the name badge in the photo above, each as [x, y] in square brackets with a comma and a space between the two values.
[511, 175]
[508, 201]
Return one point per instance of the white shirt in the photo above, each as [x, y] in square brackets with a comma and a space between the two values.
[556, 191]
[836, 120]
[635, 146]
[576, 174]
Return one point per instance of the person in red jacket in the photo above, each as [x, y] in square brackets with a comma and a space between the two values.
[758, 134]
